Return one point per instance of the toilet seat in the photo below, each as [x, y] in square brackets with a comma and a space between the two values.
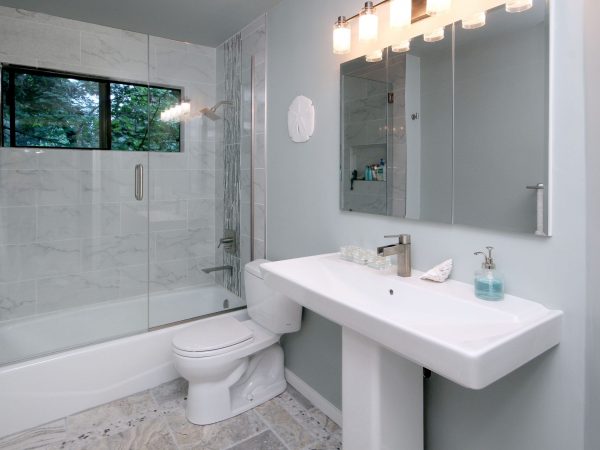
[212, 337]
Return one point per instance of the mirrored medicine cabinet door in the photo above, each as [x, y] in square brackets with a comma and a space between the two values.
[454, 131]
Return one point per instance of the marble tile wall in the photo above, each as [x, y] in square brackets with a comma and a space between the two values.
[71, 232]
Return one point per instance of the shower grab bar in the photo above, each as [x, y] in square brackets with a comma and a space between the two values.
[139, 182]
[539, 228]
[252, 153]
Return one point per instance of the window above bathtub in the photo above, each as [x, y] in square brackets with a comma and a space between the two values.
[50, 109]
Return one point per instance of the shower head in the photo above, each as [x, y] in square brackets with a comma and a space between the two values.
[211, 112]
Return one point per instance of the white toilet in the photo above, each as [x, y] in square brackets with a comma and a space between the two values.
[231, 365]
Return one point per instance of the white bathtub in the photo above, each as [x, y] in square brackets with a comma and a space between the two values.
[48, 388]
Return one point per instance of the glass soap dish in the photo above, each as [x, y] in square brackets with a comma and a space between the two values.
[381, 263]
[347, 252]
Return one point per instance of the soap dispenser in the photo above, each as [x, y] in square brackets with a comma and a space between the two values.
[489, 284]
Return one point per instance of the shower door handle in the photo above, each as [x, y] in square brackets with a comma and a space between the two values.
[139, 182]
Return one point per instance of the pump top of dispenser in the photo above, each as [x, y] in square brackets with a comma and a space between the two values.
[488, 262]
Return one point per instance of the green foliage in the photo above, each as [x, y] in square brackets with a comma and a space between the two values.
[58, 111]
[132, 108]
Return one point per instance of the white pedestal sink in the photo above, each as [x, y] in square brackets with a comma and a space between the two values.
[392, 327]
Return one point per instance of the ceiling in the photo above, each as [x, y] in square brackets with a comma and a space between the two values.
[198, 21]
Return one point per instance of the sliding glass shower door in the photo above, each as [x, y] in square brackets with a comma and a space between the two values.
[74, 241]
[186, 192]
[116, 218]
[74, 249]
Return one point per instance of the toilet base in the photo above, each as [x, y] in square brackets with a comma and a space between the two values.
[256, 380]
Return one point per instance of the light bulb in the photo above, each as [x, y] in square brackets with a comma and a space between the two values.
[437, 6]
[437, 34]
[367, 24]
[342, 36]
[177, 112]
[186, 108]
[401, 47]
[163, 116]
[474, 21]
[400, 13]
[515, 6]
[374, 56]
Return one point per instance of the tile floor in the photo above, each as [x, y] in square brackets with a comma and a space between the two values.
[155, 419]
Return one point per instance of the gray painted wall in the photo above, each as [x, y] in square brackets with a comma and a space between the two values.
[540, 406]
[592, 73]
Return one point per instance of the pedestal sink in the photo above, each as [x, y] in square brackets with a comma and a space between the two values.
[393, 327]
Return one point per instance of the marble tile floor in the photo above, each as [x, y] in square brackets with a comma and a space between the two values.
[155, 419]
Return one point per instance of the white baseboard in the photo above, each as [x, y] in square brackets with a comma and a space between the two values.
[314, 397]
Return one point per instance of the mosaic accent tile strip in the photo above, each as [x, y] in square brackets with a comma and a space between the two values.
[231, 147]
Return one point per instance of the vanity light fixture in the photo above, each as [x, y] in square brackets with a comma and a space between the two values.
[401, 47]
[435, 7]
[435, 35]
[375, 56]
[342, 36]
[474, 21]
[514, 6]
[368, 23]
[400, 13]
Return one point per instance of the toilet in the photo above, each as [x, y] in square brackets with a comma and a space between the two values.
[232, 365]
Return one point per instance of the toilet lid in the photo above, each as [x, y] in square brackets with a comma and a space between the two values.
[212, 334]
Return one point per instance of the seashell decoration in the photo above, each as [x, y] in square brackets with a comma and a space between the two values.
[439, 273]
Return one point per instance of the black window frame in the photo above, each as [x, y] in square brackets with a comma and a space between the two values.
[105, 119]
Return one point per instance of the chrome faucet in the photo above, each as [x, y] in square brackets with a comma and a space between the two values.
[218, 269]
[402, 249]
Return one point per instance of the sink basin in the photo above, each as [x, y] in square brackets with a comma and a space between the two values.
[443, 327]
[392, 327]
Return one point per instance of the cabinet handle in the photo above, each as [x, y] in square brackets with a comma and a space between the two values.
[139, 182]
[539, 229]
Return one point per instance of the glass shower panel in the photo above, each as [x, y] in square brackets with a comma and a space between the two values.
[203, 198]
[253, 156]
[183, 191]
[74, 243]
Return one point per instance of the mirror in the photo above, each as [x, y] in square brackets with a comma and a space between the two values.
[454, 131]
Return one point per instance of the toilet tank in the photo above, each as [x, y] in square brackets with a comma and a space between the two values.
[269, 308]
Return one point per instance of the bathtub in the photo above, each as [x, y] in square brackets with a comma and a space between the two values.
[41, 390]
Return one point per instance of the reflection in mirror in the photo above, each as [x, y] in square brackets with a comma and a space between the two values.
[364, 135]
[501, 121]
[453, 135]
[397, 122]
[427, 138]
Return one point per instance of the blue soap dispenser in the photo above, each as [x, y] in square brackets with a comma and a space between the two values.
[489, 283]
